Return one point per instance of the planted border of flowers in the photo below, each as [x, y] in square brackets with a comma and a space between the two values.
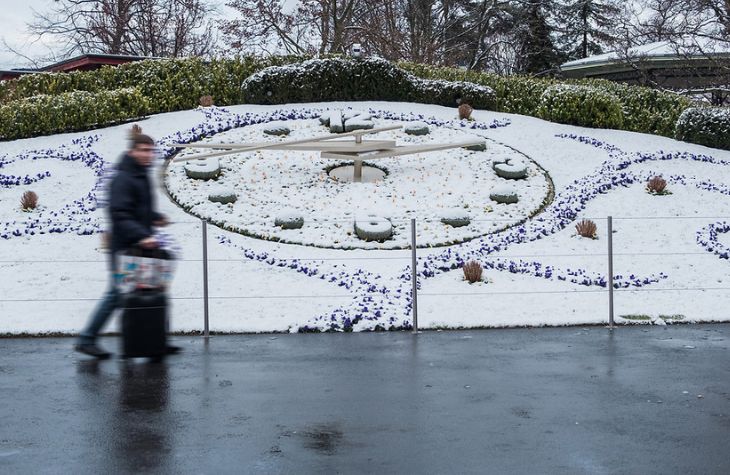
[73, 217]
[708, 239]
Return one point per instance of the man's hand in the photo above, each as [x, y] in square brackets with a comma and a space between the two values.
[148, 243]
[161, 222]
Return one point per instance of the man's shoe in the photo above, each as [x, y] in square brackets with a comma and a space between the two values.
[92, 350]
[172, 350]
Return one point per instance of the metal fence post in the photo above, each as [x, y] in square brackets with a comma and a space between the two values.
[414, 276]
[610, 271]
[206, 331]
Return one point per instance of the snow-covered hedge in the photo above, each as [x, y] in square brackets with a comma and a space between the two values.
[170, 84]
[357, 80]
[177, 84]
[69, 112]
[644, 109]
[581, 105]
[708, 126]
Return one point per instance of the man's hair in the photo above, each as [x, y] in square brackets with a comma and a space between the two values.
[140, 139]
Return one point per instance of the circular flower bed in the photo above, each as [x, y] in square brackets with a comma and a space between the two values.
[424, 185]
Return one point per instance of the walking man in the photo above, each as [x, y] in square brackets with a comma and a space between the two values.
[132, 216]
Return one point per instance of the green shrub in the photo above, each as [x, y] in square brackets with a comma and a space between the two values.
[581, 105]
[170, 84]
[70, 111]
[645, 109]
[513, 94]
[708, 126]
[177, 84]
[357, 80]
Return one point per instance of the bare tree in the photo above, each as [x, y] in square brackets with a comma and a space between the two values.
[312, 26]
[169, 28]
[694, 32]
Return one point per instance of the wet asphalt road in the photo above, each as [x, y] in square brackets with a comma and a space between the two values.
[640, 400]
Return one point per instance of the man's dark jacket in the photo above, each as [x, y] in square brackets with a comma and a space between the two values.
[130, 205]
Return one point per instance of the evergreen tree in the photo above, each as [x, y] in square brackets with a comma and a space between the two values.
[587, 26]
[538, 54]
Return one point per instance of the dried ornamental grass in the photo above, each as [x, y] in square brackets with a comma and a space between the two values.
[29, 201]
[465, 111]
[586, 228]
[135, 131]
[205, 101]
[473, 271]
[657, 186]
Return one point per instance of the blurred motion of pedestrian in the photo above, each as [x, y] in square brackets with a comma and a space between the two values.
[132, 215]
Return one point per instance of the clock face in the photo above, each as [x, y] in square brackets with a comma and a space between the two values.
[458, 194]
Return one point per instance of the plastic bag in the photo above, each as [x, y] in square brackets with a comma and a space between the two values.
[139, 269]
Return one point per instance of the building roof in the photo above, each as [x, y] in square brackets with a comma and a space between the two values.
[83, 62]
[92, 59]
[660, 51]
[14, 73]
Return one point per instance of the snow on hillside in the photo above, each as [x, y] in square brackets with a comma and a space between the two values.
[536, 273]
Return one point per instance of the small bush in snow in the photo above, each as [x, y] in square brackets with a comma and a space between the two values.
[134, 131]
[29, 201]
[708, 126]
[472, 272]
[587, 228]
[465, 111]
[657, 186]
[581, 105]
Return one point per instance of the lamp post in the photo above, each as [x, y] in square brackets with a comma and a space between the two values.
[356, 48]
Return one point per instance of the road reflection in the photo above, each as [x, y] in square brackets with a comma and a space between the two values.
[129, 417]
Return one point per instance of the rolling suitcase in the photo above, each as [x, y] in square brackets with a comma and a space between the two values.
[143, 277]
[144, 324]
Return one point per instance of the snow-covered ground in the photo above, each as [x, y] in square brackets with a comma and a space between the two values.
[429, 186]
[536, 273]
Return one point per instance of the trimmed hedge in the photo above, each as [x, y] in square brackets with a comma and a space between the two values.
[581, 105]
[70, 112]
[708, 126]
[644, 109]
[170, 84]
[337, 79]
[177, 84]
[514, 94]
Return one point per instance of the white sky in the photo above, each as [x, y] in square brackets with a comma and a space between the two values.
[13, 17]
